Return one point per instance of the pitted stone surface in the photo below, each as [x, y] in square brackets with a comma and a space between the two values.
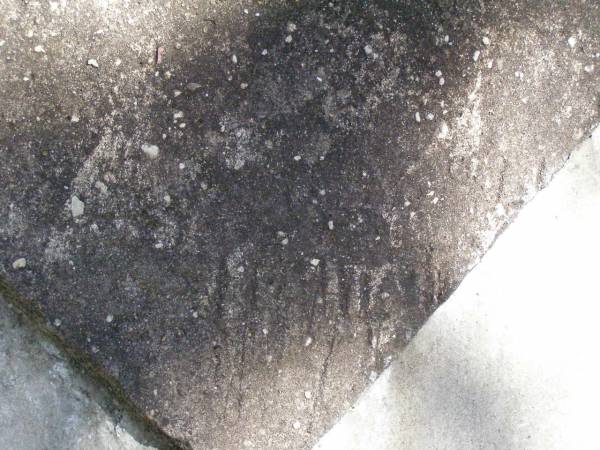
[271, 197]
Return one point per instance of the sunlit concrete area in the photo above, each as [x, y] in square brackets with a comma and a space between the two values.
[511, 360]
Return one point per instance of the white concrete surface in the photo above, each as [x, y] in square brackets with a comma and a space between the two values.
[47, 405]
[512, 359]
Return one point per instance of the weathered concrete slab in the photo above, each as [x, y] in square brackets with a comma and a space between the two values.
[510, 361]
[242, 234]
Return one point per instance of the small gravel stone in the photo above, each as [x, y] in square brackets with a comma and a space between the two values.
[109, 318]
[77, 207]
[288, 39]
[92, 62]
[150, 150]
[315, 262]
[192, 87]
[20, 263]
[330, 224]
[572, 41]
[39, 49]
[486, 40]
[368, 49]
[308, 395]
[101, 187]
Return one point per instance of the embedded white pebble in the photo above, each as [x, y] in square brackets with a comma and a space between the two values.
[444, 130]
[243, 86]
[57, 322]
[297, 158]
[285, 241]
[19, 263]
[291, 27]
[109, 318]
[167, 199]
[308, 395]
[92, 62]
[176, 93]
[322, 192]
[181, 166]
[438, 73]
[101, 187]
[234, 59]
[296, 425]
[178, 115]
[442, 81]
[195, 314]
[486, 40]
[265, 331]
[150, 150]
[330, 224]
[589, 68]
[39, 49]
[368, 49]
[315, 262]
[476, 55]
[192, 87]
[264, 52]
[77, 207]
[572, 41]
[308, 341]
[430, 116]
[435, 200]
[490, 64]
[418, 117]
[288, 39]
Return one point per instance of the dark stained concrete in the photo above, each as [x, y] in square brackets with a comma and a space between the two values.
[242, 234]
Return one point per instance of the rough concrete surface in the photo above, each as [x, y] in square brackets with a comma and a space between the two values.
[510, 361]
[47, 403]
[239, 210]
